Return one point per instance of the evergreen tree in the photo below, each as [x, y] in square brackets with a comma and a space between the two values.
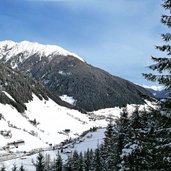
[108, 134]
[97, 163]
[134, 153]
[47, 162]
[103, 157]
[123, 129]
[75, 161]
[88, 160]
[108, 154]
[68, 165]
[121, 138]
[3, 168]
[58, 163]
[22, 168]
[162, 117]
[40, 163]
[14, 168]
[163, 64]
[81, 162]
[91, 159]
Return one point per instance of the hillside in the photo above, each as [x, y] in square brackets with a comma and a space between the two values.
[158, 92]
[17, 89]
[65, 73]
[29, 113]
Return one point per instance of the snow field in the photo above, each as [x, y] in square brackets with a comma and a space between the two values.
[31, 48]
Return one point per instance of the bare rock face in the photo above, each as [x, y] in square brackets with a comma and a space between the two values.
[67, 74]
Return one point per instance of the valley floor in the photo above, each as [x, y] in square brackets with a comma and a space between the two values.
[91, 140]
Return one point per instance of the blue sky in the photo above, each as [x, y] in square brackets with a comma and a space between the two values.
[117, 36]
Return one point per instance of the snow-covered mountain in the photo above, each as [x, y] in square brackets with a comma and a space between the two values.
[33, 120]
[30, 117]
[158, 91]
[9, 49]
[67, 75]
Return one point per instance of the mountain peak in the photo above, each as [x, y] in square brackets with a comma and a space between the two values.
[63, 74]
[10, 48]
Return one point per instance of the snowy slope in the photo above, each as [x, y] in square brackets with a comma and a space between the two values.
[68, 99]
[44, 122]
[156, 88]
[52, 120]
[90, 140]
[9, 49]
[158, 91]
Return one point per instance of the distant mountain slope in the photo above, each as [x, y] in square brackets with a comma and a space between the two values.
[17, 89]
[65, 73]
[158, 92]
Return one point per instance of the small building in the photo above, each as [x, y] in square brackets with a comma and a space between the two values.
[67, 131]
[15, 143]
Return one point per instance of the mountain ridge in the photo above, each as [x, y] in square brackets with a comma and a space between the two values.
[14, 48]
[158, 92]
[91, 87]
